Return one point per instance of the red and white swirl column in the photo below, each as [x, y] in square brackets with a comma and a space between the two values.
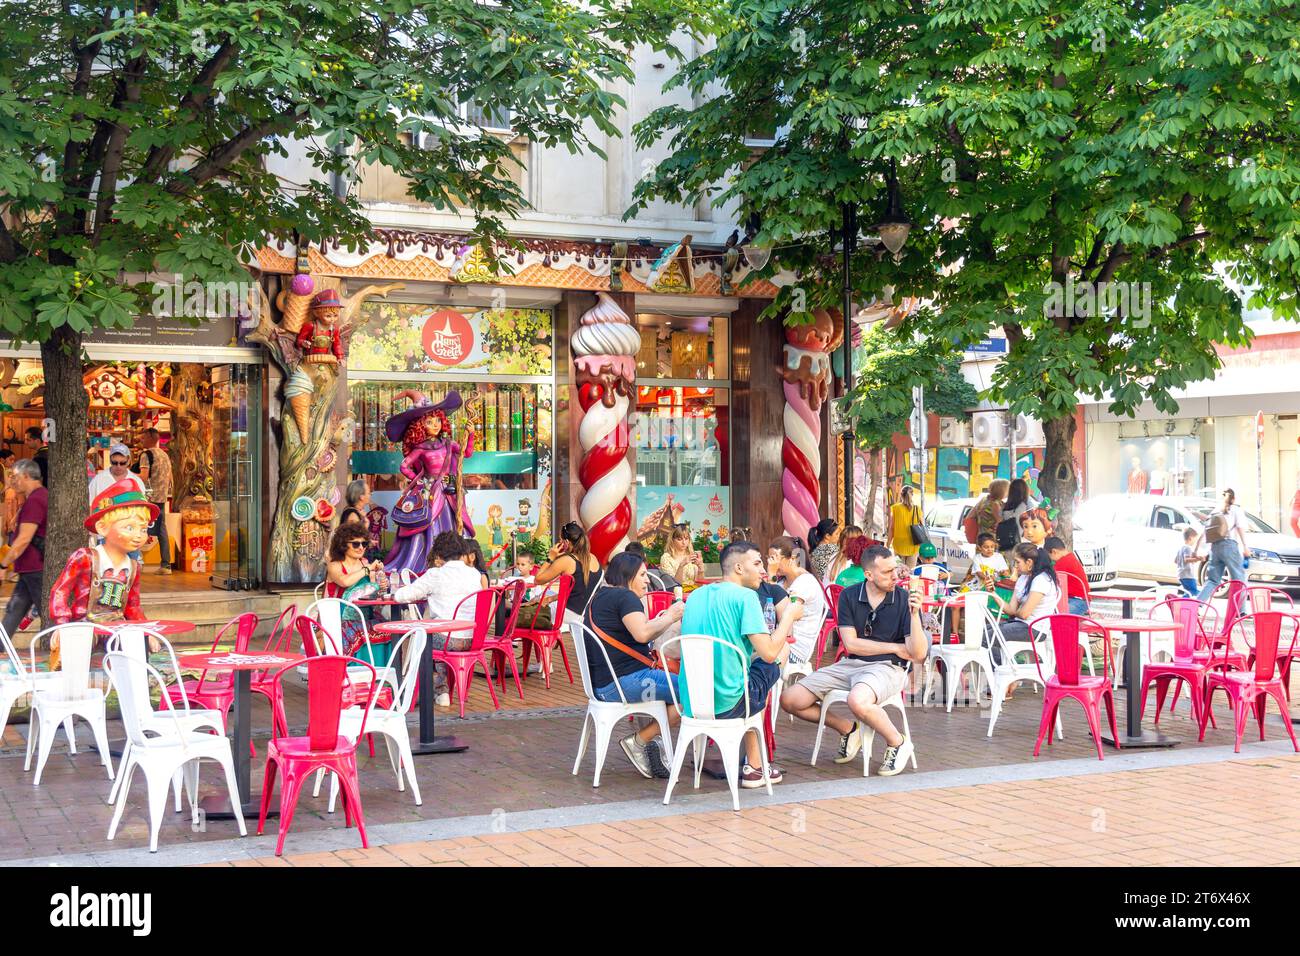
[806, 373]
[604, 349]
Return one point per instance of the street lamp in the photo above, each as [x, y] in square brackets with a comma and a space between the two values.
[892, 232]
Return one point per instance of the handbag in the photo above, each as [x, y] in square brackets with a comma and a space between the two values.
[919, 533]
[672, 667]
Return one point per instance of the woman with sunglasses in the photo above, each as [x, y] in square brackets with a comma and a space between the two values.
[348, 575]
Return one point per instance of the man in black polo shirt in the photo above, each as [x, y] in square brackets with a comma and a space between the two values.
[880, 625]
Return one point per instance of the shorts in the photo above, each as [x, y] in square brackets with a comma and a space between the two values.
[885, 680]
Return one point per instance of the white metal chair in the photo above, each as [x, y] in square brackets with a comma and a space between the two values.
[867, 734]
[390, 721]
[728, 734]
[791, 669]
[161, 755]
[971, 652]
[328, 612]
[71, 695]
[132, 641]
[1012, 670]
[17, 681]
[605, 715]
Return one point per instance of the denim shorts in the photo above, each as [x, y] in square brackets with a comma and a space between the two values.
[642, 685]
[1077, 605]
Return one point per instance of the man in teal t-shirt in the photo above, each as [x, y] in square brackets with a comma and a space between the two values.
[729, 610]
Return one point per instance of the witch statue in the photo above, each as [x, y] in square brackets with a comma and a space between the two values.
[432, 463]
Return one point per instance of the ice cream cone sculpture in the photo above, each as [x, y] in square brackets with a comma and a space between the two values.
[604, 348]
[807, 378]
[297, 394]
[295, 302]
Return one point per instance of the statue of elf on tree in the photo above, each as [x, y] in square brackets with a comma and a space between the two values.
[102, 584]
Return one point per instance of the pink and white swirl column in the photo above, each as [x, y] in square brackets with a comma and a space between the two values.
[806, 372]
[604, 349]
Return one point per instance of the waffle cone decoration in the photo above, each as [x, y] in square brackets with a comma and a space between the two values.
[295, 301]
[297, 394]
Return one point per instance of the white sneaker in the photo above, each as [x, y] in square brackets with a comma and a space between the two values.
[637, 752]
[850, 745]
[534, 666]
[444, 699]
[896, 758]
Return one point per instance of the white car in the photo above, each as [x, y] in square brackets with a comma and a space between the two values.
[944, 522]
[1144, 533]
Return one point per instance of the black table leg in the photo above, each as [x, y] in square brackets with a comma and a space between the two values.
[218, 807]
[1135, 737]
[430, 742]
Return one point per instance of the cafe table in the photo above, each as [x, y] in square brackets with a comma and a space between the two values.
[1134, 737]
[243, 665]
[429, 742]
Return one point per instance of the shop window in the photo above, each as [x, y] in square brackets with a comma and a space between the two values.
[681, 436]
[682, 347]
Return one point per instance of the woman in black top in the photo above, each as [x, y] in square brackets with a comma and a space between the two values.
[572, 555]
[616, 617]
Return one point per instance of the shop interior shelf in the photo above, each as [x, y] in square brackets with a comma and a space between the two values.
[480, 463]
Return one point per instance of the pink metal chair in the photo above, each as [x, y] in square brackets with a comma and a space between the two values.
[461, 663]
[547, 638]
[219, 694]
[657, 602]
[502, 646]
[1068, 682]
[1250, 689]
[279, 640]
[1207, 636]
[1185, 668]
[1264, 598]
[296, 758]
[833, 592]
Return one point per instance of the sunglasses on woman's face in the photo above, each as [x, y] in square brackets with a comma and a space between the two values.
[357, 544]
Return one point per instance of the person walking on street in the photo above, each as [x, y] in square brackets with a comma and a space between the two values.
[988, 510]
[902, 515]
[156, 473]
[26, 554]
[1225, 529]
[1008, 528]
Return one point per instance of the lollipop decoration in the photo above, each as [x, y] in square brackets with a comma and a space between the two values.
[807, 378]
[604, 348]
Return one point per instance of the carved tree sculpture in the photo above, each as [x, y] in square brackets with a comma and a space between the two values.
[310, 345]
[191, 445]
[807, 380]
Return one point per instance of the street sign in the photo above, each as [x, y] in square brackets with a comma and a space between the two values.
[916, 463]
[918, 427]
[989, 346]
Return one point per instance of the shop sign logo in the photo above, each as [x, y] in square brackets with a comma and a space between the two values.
[448, 337]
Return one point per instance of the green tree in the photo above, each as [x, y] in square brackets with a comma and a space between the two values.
[1146, 148]
[134, 138]
[887, 365]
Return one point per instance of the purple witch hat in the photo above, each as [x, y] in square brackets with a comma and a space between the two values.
[395, 427]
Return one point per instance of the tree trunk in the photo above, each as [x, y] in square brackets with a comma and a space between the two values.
[1059, 480]
[66, 429]
[874, 469]
[191, 444]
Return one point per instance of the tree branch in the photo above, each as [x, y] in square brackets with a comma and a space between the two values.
[219, 159]
[199, 93]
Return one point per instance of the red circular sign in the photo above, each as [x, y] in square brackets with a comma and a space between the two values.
[448, 337]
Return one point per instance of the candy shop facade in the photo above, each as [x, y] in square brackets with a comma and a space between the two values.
[630, 387]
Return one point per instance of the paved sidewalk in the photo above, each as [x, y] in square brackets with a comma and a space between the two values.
[1128, 818]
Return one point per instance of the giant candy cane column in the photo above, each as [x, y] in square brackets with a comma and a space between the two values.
[604, 350]
[807, 376]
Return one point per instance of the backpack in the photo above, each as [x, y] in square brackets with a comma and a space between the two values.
[971, 526]
[1008, 532]
[1216, 529]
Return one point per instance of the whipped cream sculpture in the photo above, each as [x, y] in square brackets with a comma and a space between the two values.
[806, 372]
[604, 358]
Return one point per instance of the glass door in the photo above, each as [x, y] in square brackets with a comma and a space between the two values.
[236, 453]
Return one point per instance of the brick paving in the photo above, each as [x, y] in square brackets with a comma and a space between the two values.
[1126, 818]
[520, 760]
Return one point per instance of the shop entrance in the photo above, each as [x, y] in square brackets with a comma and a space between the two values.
[202, 414]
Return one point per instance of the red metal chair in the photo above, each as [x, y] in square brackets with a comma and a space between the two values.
[316, 642]
[656, 602]
[1207, 636]
[324, 748]
[1185, 668]
[1068, 681]
[1250, 689]
[216, 694]
[461, 663]
[833, 592]
[502, 646]
[1259, 598]
[547, 638]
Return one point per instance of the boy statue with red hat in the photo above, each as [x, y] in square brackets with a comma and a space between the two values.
[319, 338]
[102, 584]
